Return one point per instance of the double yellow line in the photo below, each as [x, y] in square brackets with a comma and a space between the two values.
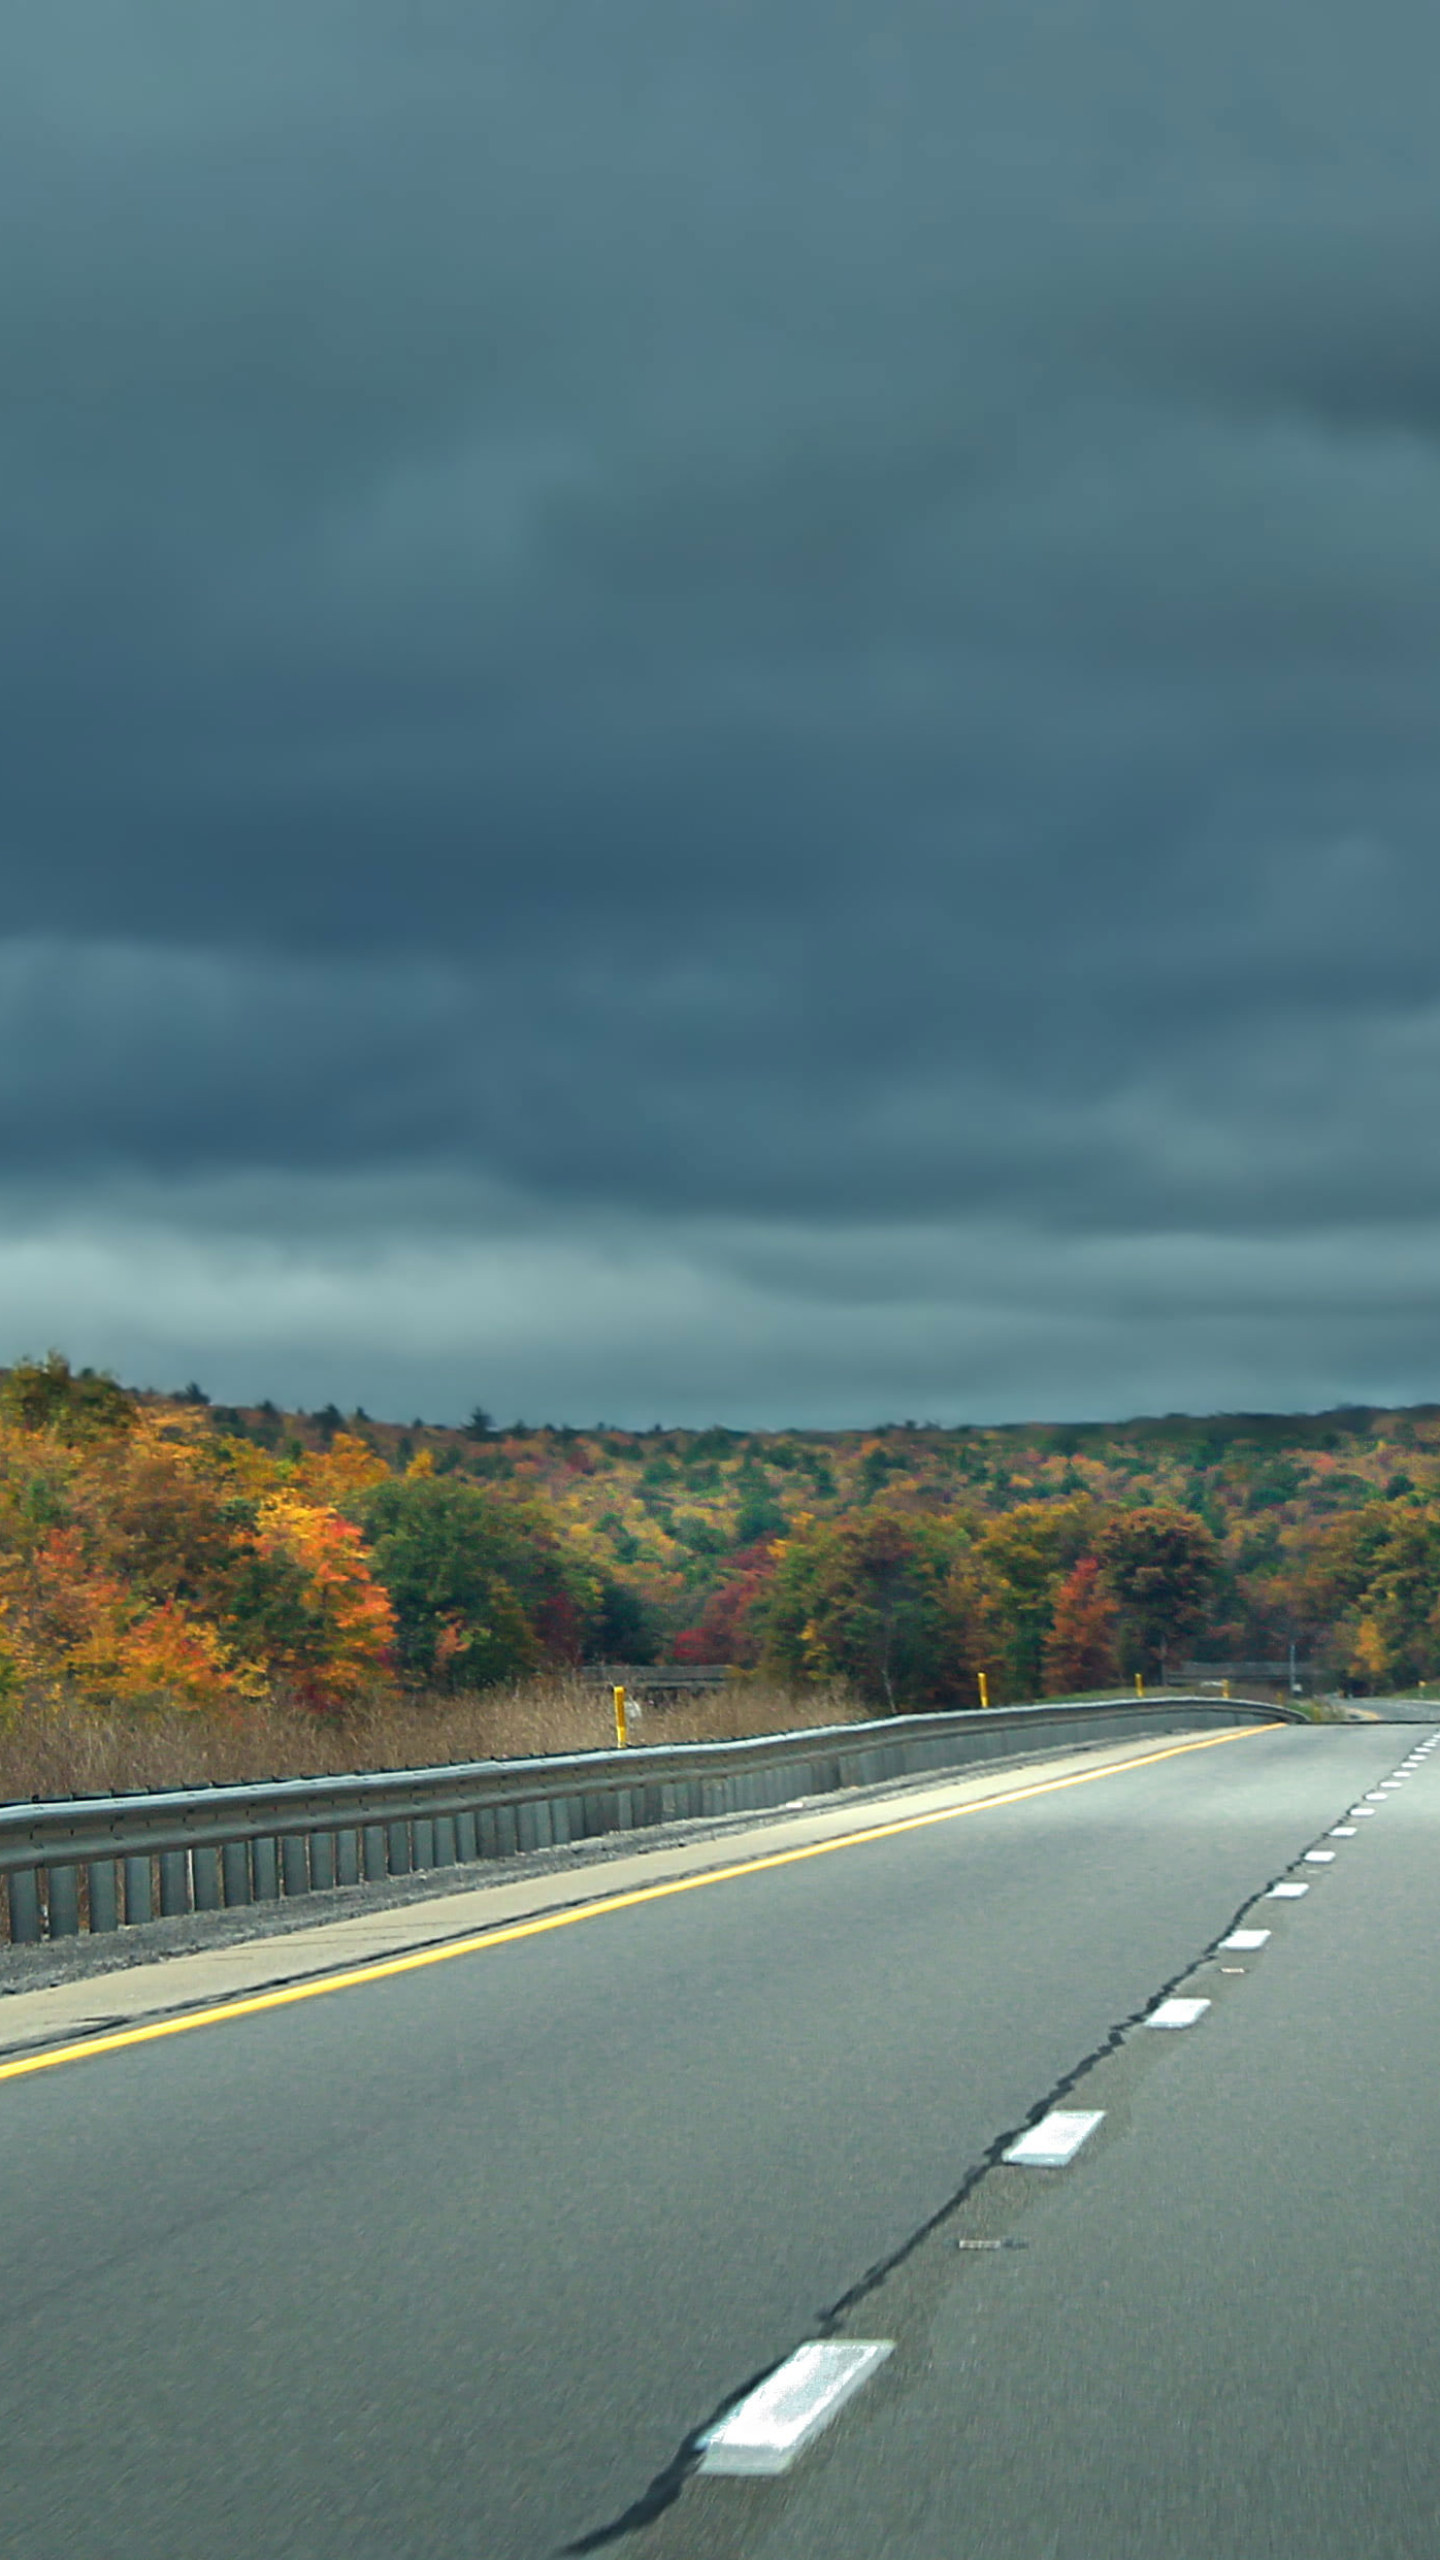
[385, 1967]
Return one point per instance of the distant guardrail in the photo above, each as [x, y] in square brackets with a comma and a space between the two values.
[643, 1679]
[106, 1862]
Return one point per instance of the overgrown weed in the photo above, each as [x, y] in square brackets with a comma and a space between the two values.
[61, 1747]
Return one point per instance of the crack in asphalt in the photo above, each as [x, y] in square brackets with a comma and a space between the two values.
[666, 2486]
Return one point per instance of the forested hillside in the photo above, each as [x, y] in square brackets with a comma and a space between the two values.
[163, 1548]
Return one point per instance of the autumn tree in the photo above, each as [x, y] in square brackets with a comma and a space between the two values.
[1389, 1625]
[113, 1544]
[731, 1626]
[628, 1627]
[483, 1587]
[338, 1641]
[74, 1404]
[156, 1560]
[887, 1600]
[1080, 1648]
[1336, 1592]
[1160, 1564]
[1025, 1555]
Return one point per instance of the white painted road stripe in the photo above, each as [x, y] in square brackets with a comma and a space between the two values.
[1245, 1939]
[1343, 1831]
[1053, 2142]
[1286, 1892]
[762, 2435]
[1320, 1857]
[1365, 1809]
[1177, 2013]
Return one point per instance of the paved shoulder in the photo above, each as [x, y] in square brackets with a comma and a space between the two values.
[268, 1946]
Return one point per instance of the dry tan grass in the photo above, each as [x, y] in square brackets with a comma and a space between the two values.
[49, 1749]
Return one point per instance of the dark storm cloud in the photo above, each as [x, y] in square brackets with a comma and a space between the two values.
[815, 621]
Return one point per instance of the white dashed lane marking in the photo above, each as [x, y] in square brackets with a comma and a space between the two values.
[1053, 2143]
[1177, 2013]
[1243, 1940]
[764, 2433]
[1320, 1857]
[1286, 1892]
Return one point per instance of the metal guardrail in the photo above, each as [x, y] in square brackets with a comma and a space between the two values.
[646, 1679]
[102, 1863]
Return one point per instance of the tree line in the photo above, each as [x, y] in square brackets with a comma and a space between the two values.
[151, 1549]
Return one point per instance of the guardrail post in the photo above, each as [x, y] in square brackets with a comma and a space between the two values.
[139, 1890]
[422, 1832]
[174, 1882]
[64, 1900]
[25, 1929]
[467, 1846]
[347, 1857]
[322, 1860]
[235, 1872]
[372, 1840]
[444, 1840]
[397, 1836]
[102, 1893]
[265, 1862]
[294, 1864]
[206, 1865]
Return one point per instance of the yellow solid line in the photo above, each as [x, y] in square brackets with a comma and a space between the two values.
[384, 1966]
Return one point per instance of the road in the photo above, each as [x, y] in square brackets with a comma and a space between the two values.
[459, 2261]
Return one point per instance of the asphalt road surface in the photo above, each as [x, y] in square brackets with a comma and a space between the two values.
[460, 2262]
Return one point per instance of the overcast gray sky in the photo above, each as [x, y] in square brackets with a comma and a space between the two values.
[723, 708]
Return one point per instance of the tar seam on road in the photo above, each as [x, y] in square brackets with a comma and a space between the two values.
[668, 2484]
[385, 1968]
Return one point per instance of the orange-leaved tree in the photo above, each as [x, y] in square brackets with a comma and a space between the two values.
[145, 1558]
[110, 1545]
[1080, 1650]
[1162, 1565]
[336, 1639]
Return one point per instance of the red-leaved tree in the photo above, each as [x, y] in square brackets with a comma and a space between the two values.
[728, 1628]
[1080, 1651]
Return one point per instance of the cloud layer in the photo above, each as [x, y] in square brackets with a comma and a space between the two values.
[723, 711]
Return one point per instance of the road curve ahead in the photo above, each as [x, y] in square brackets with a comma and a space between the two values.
[460, 2261]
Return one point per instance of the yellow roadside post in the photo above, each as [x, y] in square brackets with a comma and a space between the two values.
[1139, 1684]
[984, 1690]
[621, 1736]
